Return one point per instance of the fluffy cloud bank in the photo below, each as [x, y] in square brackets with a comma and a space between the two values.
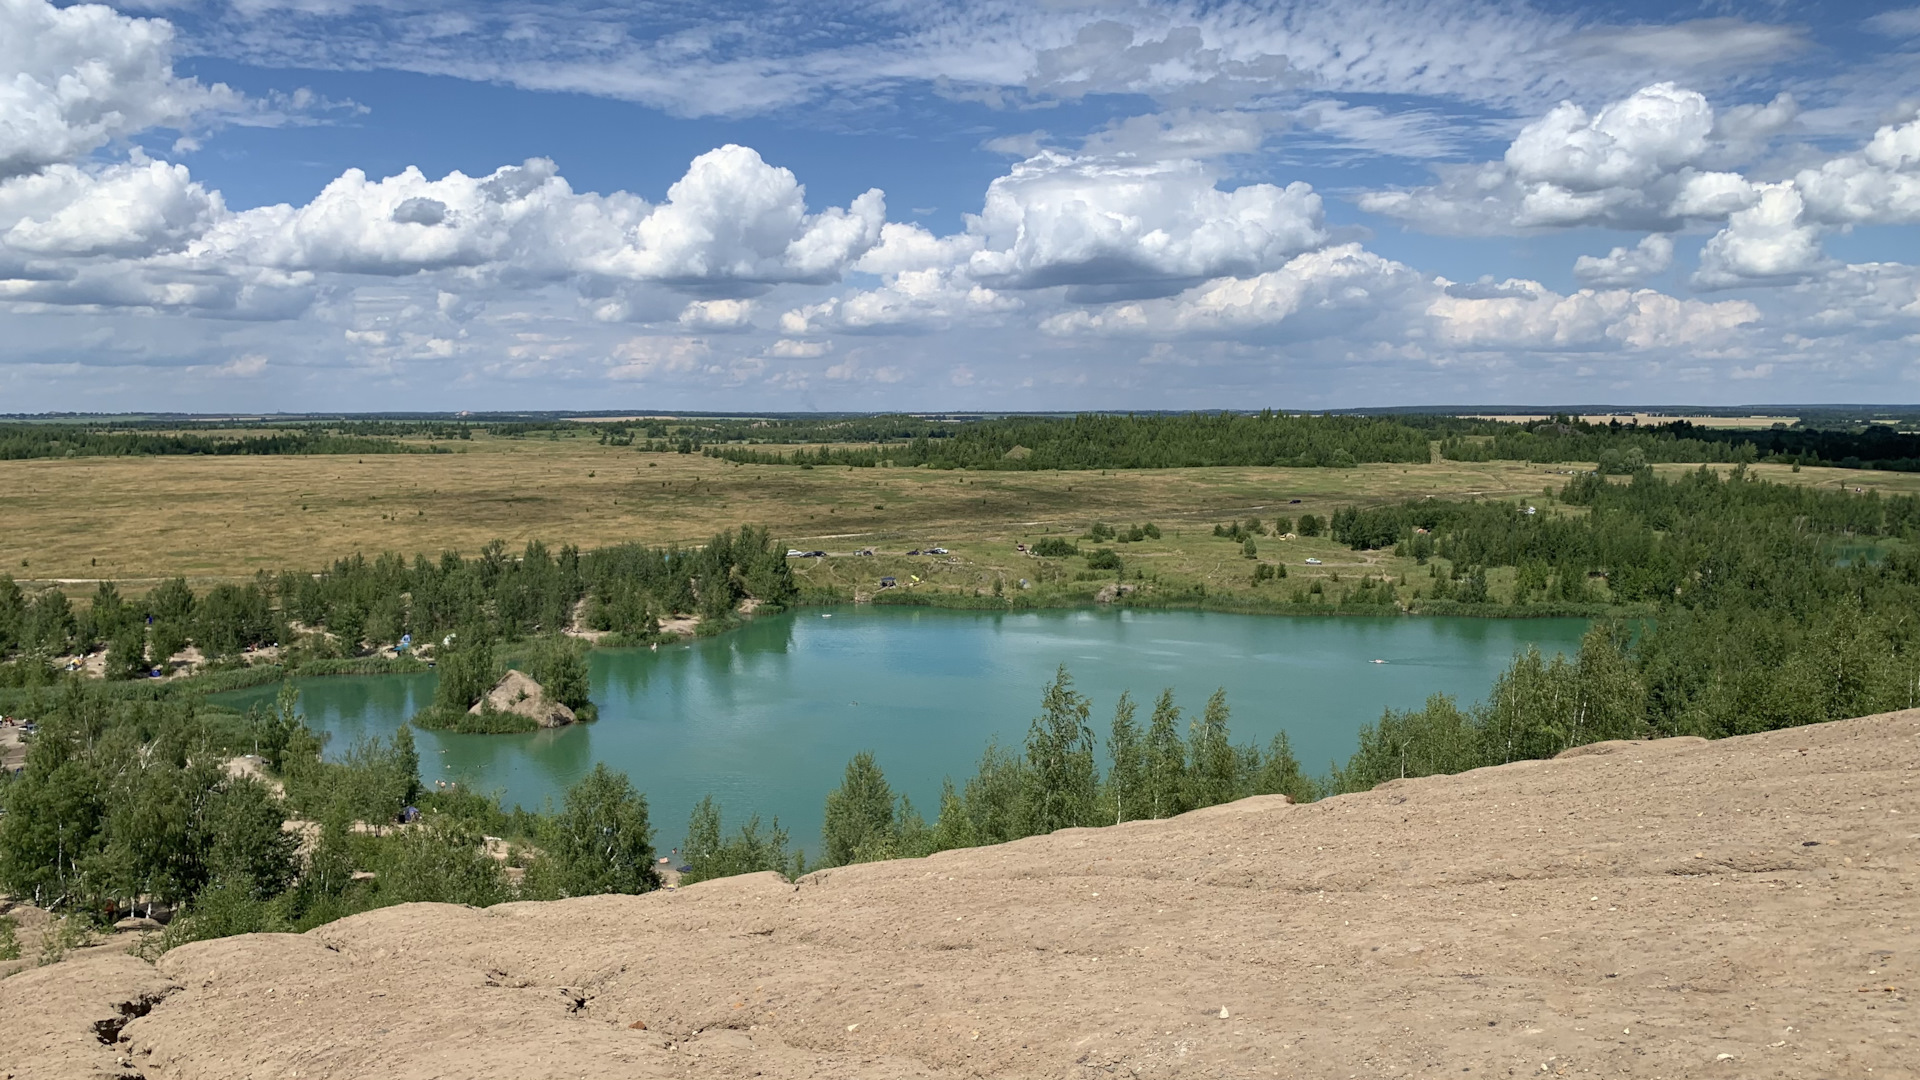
[1662, 159]
[1099, 229]
[1527, 315]
[1311, 295]
[1092, 223]
[73, 79]
[1878, 185]
[1358, 295]
[136, 209]
[1647, 161]
[732, 219]
[733, 223]
[1626, 266]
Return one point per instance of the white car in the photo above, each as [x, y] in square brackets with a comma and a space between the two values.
[1313, 562]
[796, 553]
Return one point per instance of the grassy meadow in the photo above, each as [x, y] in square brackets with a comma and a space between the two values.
[137, 520]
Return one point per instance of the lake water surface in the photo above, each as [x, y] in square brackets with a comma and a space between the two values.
[765, 717]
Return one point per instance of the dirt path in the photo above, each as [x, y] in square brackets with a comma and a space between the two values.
[1674, 909]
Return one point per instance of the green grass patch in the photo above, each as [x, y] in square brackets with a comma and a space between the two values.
[485, 722]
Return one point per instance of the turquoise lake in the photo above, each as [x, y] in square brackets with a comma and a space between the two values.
[765, 718]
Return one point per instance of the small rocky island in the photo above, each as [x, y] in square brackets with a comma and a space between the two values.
[518, 694]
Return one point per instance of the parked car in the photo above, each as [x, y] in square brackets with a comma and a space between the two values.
[936, 551]
[796, 553]
[1313, 562]
[816, 554]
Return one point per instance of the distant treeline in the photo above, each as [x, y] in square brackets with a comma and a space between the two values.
[781, 431]
[1128, 442]
[18, 441]
[1624, 448]
[1088, 441]
[1101, 441]
[491, 597]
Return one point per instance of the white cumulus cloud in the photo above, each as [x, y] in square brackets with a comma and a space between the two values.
[793, 349]
[1316, 293]
[135, 209]
[72, 79]
[1527, 315]
[717, 315]
[406, 223]
[1626, 266]
[1098, 224]
[1647, 161]
[734, 218]
[1769, 241]
[1878, 185]
[1630, 142]
[911, 300]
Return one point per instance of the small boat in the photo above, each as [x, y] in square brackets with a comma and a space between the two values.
[1376, 661]
[827, 615]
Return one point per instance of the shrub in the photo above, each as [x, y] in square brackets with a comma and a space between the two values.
[1053, 547]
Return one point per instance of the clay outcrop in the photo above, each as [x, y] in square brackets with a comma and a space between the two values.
[518, 694]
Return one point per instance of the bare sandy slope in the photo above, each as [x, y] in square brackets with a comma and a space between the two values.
[1671, 909]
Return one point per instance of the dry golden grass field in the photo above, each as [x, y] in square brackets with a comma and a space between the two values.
[136, 520]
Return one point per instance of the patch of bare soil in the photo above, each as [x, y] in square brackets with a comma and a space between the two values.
[1671, 909]
[577, 624]
[13, 746]
[254, 767]
[684, 625]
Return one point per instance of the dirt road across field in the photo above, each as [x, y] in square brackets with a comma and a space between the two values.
[1672, 909]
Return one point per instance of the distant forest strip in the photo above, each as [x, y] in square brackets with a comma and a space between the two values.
[22, 441]
[1088, 441]
[1129, 442]
[1101, 441]
[1621, 449]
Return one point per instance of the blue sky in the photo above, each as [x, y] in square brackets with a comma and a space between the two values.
[324, 204]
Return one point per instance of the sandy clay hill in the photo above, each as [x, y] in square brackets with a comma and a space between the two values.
[519, 694]
[1670, 909]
